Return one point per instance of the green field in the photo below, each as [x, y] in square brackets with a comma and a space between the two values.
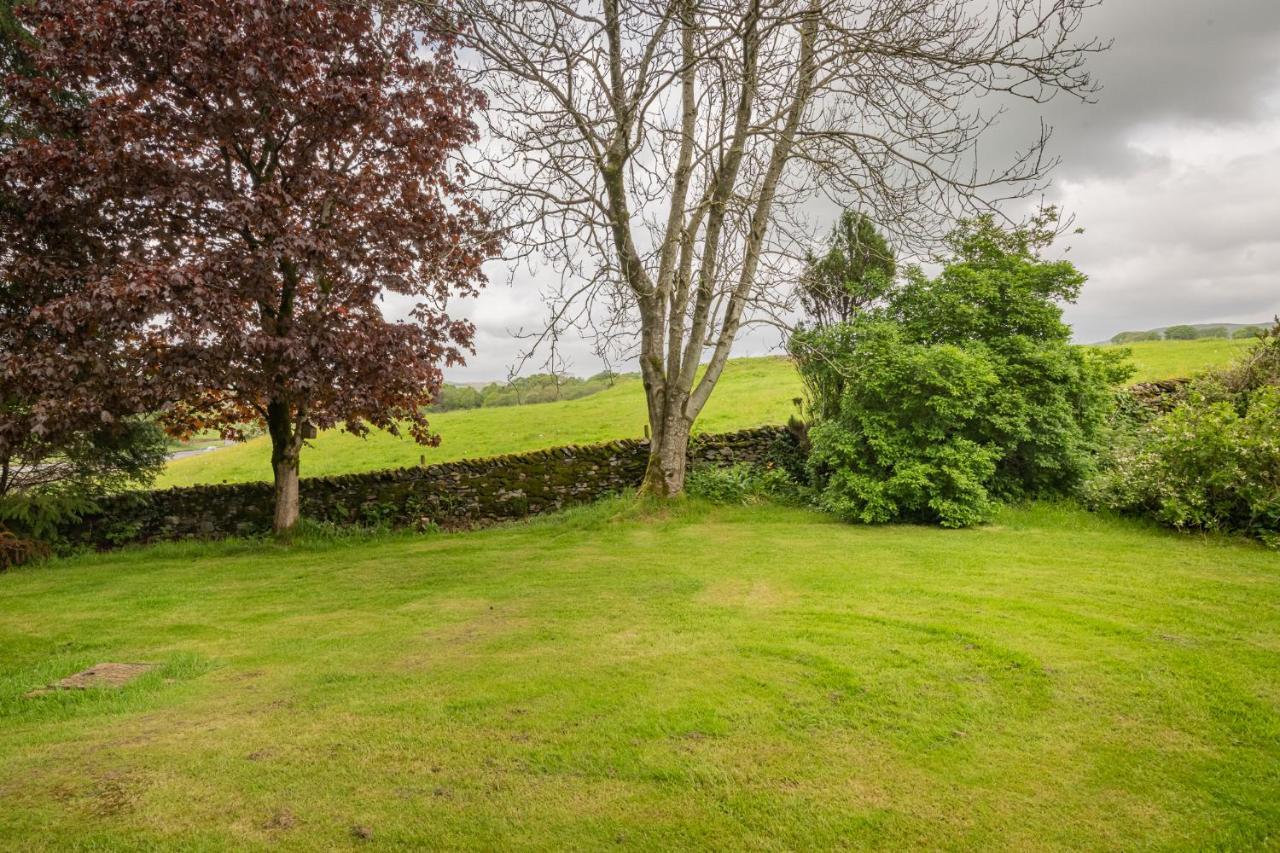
[730, 678]
[1178, 359]
[753, 391]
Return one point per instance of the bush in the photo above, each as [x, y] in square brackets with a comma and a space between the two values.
[963, 391]
[46, 487]
[41, 514]
[1180, 333]
[1213, 462]
[741, 484]
[1247, 332]
[1205, 466]
[906, 440]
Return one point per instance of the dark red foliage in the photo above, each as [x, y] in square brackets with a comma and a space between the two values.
[219, 196]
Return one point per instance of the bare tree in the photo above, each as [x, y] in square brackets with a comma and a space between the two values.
[662, 154]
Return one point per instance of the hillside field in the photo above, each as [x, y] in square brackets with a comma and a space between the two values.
[1176, 359]
[631, 678]
[752, 392]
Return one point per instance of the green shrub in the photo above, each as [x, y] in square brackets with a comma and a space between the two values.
[1181, 333]
[740, 484]
[1205, 466]
[1213, 462]
[41, 514]
[963, 391]
[906, 442]
[45, 488]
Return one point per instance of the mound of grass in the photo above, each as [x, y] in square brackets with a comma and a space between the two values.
[752, 392]
[704, 677]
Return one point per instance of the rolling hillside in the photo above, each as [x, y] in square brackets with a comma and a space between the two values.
[753, 391]
[1172, 359]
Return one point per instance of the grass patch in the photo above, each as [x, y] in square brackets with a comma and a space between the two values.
[655, 677]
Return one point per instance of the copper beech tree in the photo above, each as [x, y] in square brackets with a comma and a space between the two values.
[258, 175]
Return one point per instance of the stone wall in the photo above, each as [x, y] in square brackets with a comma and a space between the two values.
[1162, 395]
[468, 493]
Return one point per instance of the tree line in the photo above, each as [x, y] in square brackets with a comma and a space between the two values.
[1189, 333]
[522, 391]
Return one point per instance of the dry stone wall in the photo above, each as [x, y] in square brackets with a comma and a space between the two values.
[467, 493]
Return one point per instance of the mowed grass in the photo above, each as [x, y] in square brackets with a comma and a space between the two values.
[752, 392]
[731, 678]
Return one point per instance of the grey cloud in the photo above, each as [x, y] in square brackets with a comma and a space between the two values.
[1172, 60]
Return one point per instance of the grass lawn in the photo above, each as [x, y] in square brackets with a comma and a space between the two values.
[725, 678]
[753, 391]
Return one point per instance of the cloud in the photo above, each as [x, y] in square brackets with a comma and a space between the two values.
[1172, 61]
[1182, 239]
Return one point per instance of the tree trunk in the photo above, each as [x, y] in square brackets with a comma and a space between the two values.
[286, 446]
[287, 507]
[668, 456]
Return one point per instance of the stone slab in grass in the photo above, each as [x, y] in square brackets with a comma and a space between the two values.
[98, 675]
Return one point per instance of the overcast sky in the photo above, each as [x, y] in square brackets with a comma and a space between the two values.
[1174, 174]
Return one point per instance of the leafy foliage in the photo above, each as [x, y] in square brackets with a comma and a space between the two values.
[741, 484]
[854, 274]
[1181, 333]
[1213, 462]
[962, 391]
[18, 551]
[905, 441]
[107, 459]
[276, 168]
[15, 58]
[44, 486]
